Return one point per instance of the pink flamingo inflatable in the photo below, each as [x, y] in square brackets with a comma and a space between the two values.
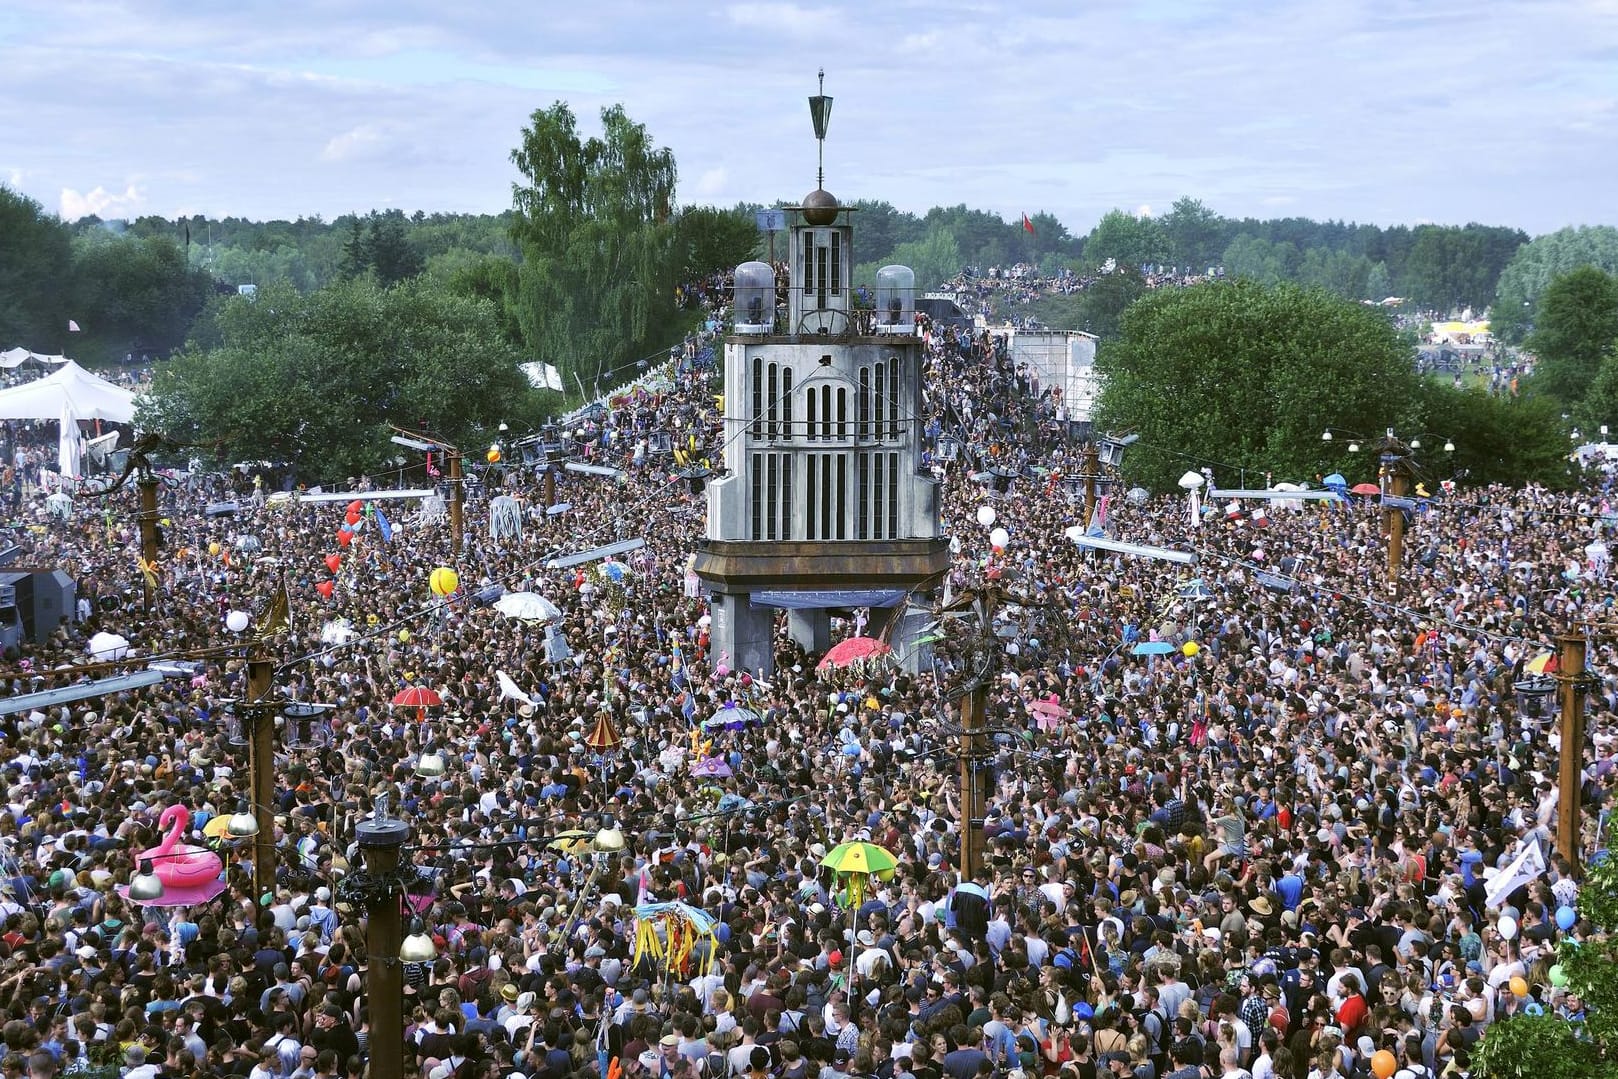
[176, 864]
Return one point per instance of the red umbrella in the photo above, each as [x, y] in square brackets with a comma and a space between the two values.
[859, 656]
[419, 697]
[1365, 489]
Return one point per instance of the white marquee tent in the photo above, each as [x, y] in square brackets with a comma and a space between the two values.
[70, 389]
[16, 357]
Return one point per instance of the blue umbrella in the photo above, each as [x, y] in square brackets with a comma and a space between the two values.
[1335, 481]
[1195, 589]
[1153, 648]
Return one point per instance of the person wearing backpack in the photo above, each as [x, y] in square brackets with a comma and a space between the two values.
[1150, 1021]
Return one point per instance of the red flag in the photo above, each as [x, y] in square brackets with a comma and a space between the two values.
[1027, 225]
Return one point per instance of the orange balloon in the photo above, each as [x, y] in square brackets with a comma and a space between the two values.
[1383, 1064]
[1519, 987]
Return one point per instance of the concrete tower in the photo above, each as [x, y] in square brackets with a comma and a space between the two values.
[823, 502]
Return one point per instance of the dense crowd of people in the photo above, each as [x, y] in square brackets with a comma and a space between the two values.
[1259, 849]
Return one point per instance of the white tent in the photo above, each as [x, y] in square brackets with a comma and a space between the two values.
[90, 397]
[70, 445]
[16, 357]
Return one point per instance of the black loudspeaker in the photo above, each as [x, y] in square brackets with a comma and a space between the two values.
[45, 599]
[222, 509]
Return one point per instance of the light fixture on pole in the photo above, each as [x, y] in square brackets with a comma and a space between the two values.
[145, 886]
[242, 824]
[418, 947]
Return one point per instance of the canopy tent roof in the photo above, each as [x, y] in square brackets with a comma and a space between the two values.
[68, 387]
[16, 357]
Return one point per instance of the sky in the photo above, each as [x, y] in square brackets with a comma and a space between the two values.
[1385, 111]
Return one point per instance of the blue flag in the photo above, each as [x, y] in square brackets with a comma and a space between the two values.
[384, 526]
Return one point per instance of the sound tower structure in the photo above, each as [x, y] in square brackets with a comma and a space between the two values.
[822, 502]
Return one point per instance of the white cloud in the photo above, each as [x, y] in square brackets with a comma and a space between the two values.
[102, 203]
[785, 18]
[355, 142]
[1143, 210]
[710, 183]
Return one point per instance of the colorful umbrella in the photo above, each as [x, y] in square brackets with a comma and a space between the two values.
[527, 607]
[711, 766]
[858, 856]
[1365, 489]
[417, 697]
[857, 657]
[1544, 663]
[603, 737]
[1049, 714]
[1153, 648]
[732, 717]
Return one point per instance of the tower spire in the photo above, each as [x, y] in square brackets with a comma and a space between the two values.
[820, 114]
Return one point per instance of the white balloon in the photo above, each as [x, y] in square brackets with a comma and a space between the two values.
[236, 621]
[999, 537]
[986, 516]
[1507, 925]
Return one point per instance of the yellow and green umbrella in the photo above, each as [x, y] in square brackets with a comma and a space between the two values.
[859, 856]
[856, 861]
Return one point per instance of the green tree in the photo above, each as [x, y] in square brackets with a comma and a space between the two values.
[391, 255]
[1248, 375]
[1378, 283]
[935, 258]
[35, 274]
[1535, 265]
[710, 240]
[133, 294]
[1257, 259]
[1575, 325]
[1497, 439]
[313, 378]
[1196, 235]
[595, 226]
[1126, 239]
[356, 252]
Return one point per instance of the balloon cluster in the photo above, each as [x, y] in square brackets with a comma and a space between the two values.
[347, 532]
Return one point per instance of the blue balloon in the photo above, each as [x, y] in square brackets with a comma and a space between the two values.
[1565, 917]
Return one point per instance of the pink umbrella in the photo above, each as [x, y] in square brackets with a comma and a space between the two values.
[859, 656]
[1048, 713]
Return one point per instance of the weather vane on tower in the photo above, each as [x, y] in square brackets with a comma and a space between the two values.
[820, 113]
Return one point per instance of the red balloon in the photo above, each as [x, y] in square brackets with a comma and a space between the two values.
[353, 517]
[355, 508]
[344, 537]
[325, 588]
[333, 561]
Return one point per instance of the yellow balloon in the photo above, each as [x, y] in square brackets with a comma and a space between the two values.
[404, 636]
[493, 455]
[444, 581]
[213, 548]
[1190, 648]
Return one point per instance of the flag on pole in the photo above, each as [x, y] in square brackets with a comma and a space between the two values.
[1525, 868]
[1098, 519]
[1027, 225]
[72, 327]
[384, 526]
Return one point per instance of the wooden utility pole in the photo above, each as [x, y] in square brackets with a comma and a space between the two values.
[974, 706]
[257, 710]
[146, 519]
[1570, 762]
[456, 494]
[380, 840]
[1398, 487]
